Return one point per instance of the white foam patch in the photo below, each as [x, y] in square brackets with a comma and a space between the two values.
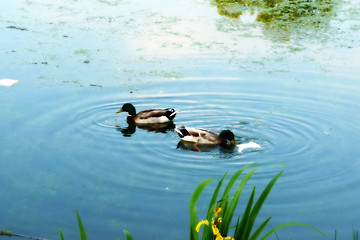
[252, 145]
[8, 82]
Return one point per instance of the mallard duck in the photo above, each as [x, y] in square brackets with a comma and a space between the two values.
[202, 136]
[148, 117]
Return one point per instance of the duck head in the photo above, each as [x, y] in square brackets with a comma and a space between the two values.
[227, 135]
[128, 107]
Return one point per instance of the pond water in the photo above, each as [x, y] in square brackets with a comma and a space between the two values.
[64, 148]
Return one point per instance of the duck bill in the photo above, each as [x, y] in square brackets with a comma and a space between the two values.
[233, 142]
[121, 110]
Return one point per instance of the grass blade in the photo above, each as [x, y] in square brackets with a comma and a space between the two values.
[81, 227]
[61, 235]
[260, 229]
[193, 212]
[234, 178]
[230, 184]
[286, 225]
[228, 214]
[207, 233]
[241, 226]
[127, 235]
[257, 207]
[355, 234]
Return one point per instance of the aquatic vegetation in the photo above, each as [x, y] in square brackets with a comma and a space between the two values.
[284, 15]
[304, 11]
[18, 28]
[220, 212]
[286, 10]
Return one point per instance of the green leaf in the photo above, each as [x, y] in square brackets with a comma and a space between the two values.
[193, 212]
[257, 207]
[61, 235]
[260, 229]
[245, 218]
[207, 232]
[286, 225]
[235, 176]
[81, 227]
[127, 235]
[232, 205]
[355, 234]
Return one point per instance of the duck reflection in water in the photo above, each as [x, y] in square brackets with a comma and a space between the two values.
[158, 128]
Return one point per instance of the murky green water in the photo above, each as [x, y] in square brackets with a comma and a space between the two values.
[295, 93]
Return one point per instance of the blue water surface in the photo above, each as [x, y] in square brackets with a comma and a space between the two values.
[62, 147]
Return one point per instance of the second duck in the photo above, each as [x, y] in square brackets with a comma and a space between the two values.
[203, 136]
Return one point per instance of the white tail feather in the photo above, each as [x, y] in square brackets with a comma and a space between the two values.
[243, 146]
[173, 113]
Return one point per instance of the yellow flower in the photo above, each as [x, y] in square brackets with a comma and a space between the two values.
[215, 229]
[217, 210]
[200, 224]
[217, 233]
[219, 237]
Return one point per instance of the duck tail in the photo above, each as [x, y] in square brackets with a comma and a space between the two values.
[182, 132]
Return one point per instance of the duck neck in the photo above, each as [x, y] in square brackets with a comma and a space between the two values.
[130, 119]
[132, 111]
[223, 141]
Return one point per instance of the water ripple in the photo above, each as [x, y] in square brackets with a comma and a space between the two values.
[287, 128]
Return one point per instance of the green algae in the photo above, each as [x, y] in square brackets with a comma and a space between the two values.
[282, 15]
[272, 10]
[81, 52]
[17, 28]
[301, 11]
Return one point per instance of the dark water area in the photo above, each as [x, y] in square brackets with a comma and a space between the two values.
[62, 147]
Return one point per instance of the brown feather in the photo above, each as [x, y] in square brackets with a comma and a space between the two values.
[151, 113]
[204, 134]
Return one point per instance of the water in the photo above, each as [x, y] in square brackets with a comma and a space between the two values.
[63, 147]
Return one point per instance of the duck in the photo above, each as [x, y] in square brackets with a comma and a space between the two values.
[148, 117]
[205, 137]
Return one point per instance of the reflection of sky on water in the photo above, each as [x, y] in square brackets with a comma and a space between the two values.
[78, 61]
[141, 35]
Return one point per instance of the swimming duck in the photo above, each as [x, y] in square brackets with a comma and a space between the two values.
[202, 136]
[148, 117]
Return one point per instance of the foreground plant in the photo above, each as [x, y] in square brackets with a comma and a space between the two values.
[355, 234]
[83, 233]
[220, 212]
[81, 229]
